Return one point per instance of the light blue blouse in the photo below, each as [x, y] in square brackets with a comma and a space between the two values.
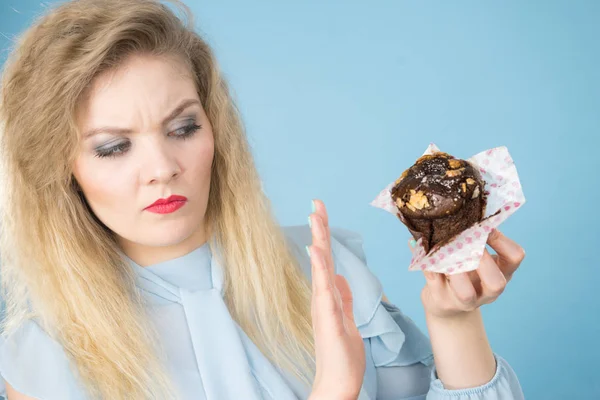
[211, 358]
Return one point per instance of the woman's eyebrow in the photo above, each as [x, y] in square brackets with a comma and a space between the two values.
[121, 131]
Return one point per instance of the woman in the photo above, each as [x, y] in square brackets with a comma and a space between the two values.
[140, 258]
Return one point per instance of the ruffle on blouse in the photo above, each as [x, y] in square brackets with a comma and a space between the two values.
[388, 336]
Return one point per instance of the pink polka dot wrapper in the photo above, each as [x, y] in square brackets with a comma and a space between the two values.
[463, 252]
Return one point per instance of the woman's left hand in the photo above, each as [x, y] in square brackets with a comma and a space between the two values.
[339, 347]
[452, 295]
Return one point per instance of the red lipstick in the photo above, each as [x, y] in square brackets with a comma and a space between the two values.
[168, 205]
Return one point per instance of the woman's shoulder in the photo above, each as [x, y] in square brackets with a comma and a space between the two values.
[35, 364]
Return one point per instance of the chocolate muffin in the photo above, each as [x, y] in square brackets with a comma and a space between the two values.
[439, 197]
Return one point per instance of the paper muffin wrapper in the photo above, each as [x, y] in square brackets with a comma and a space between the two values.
[463, 252]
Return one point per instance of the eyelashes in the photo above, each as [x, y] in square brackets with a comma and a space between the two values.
[182, 133]
[113, 151]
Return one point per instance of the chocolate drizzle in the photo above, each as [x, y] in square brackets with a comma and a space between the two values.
[439, 197]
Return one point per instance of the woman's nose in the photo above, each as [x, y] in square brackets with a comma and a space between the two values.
[160, 164]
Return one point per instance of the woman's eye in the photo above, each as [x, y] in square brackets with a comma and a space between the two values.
[186, 131]
[112, 151]
[180, 133]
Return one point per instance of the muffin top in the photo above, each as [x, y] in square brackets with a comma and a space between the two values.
[435, 186]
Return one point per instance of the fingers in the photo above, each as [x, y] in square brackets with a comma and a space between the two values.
[463, 291]
[510, 254]
[346, 297]
[320, 234]
[437, 286]
[412, 244]
[493, 281]
[326, 299]
[435, 281]
[468, 290]
[321, 211]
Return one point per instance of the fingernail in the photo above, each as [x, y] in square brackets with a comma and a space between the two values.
[314, 207]
[309, 221]
[413, 243]
[307, 251]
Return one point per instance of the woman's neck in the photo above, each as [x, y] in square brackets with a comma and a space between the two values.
[145, 255]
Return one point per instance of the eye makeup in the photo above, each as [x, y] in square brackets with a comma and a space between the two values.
[182, 133]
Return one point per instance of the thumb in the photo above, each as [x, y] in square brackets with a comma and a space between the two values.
[346, 296]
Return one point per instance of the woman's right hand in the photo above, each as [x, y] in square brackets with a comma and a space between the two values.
[339, 347]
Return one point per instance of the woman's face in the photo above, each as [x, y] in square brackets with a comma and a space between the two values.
[146, 137]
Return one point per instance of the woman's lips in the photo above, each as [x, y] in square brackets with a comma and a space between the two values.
[167, 208]
[168, 205]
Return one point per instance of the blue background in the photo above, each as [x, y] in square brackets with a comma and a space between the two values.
[340, 97]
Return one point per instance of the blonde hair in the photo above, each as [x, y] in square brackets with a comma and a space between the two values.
[61, 265]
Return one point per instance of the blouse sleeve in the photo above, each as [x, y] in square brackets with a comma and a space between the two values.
[398, 350]
[391, 379]
[35, 364]
[504, 385]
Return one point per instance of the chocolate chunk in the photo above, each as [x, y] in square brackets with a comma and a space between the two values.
[439, 197]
